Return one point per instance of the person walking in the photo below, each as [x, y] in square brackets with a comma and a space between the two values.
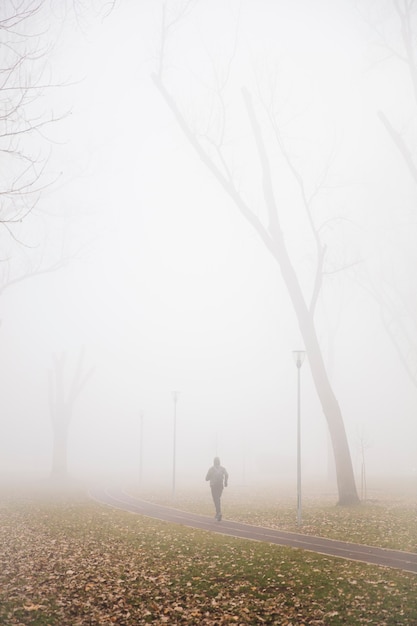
[218, 477]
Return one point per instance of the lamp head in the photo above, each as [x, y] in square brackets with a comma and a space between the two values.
[299, 356]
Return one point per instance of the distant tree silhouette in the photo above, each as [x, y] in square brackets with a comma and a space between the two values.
[394, 25]
[62, 399]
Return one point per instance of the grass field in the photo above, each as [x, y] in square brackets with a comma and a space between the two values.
[387, 520]
[68, 561]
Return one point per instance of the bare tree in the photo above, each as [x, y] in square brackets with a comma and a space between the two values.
[401, 46]
[27, 31]
[394, 27]
[22, 76]
[210, 149]
[62, 403]
[24, 144]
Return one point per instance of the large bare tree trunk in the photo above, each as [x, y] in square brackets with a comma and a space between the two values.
[272, 237]
[331, 409]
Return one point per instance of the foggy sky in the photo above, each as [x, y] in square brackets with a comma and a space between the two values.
[169, 289]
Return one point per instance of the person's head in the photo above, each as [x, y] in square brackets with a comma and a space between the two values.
[216, 461]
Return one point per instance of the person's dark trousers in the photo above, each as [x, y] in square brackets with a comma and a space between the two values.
[216, 492]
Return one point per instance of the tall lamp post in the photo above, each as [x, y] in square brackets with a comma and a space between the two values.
[299, 356]
[175, 395]
[141, 450]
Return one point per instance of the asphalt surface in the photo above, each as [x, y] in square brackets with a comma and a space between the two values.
[116, 498]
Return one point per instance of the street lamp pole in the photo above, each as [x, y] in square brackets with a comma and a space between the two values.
[175, 395]
[141, 450]
[299, 356]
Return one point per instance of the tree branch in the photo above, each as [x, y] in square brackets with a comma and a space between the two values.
[399, 142]
[226, 183]
[267, 186]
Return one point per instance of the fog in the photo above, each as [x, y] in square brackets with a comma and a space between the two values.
[166, 287]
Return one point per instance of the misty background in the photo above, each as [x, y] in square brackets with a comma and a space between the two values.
[164, 285]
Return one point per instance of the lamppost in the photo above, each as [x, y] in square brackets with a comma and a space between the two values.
[299, 356]
[175, 395]
[141, 449]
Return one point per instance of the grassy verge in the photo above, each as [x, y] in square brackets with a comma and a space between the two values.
[386, 521]
[72, 562]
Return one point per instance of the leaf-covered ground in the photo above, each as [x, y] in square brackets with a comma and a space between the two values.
[73, 562]
[388, 520]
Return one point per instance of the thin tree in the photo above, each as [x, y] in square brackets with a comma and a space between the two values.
[271, 234]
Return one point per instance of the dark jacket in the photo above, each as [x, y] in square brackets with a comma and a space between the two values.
[216, 475]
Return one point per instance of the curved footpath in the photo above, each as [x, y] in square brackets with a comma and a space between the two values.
[116, 498]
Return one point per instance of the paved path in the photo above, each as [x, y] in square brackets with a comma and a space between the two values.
[116, 498]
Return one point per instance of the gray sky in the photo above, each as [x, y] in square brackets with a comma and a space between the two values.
[171, 289]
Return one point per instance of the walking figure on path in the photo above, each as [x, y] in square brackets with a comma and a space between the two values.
[218, 477]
